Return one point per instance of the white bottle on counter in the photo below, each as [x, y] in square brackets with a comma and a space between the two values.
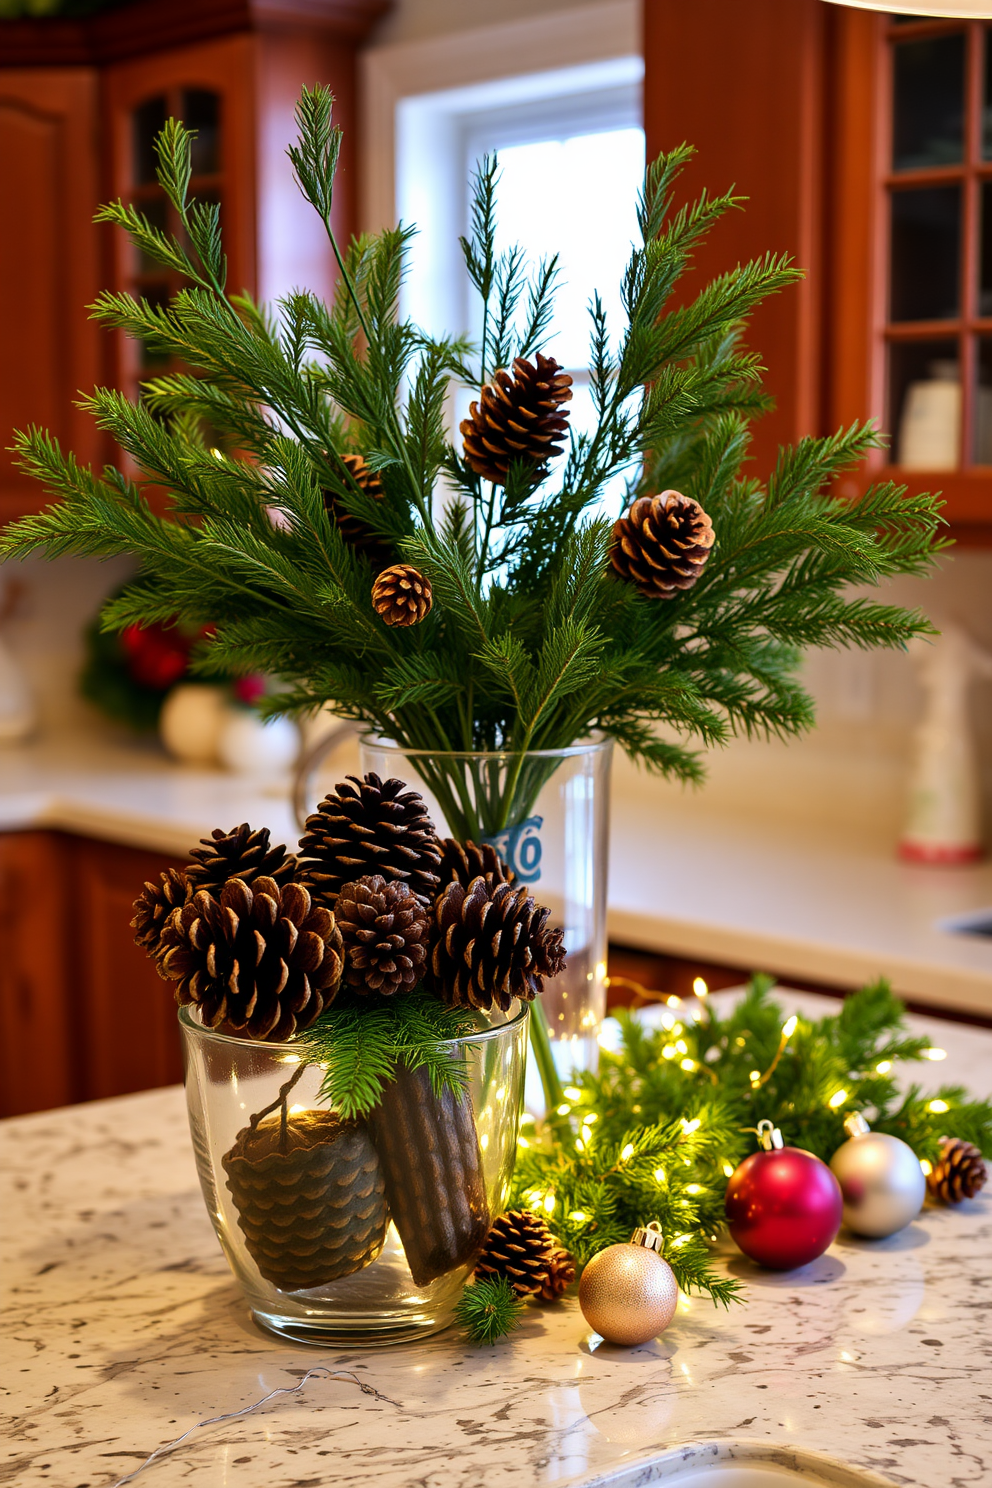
[943, 822]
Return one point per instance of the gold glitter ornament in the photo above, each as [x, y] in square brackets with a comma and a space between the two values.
[628, 1293]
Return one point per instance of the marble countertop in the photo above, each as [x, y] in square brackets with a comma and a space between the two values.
[124, 1328]
[687, 876]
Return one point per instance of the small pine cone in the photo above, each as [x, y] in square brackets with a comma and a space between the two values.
[521, 1248]
[959, 1172]
[518, 418]
[491, 944]
[384, 927]
[240, 853]
[354, 531]
[401, 595]
[662, 544]
[261, 960]
[463, 861]
[561, 1274]
[153, 907]
[369, 826]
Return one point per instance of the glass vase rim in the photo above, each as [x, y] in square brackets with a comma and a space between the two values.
[479, 1036]
[596, 746]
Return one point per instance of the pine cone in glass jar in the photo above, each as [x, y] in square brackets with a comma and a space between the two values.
[356, 533]
[662, 544]
[240, 853]
[401, 595]
[521, 1248]
[463, 861]
[153, 907]
[263, 961]
[518, 417]
[369, 826]
[959, 1172]
[384, 928]
[491, 943]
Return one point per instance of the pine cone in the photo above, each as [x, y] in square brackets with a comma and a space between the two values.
[310, 1197]
[264, 961]
[401, 595]
[522, 1248]
[153, 907]
[491, 944]
[354, 531]
[662, 544]
[384, 927]
[463, 861]
[240, 853]
[518, 418]
[370, 826]
[959, 1172]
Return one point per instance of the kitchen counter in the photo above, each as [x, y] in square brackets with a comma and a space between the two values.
[688, 876]
[125, 1328]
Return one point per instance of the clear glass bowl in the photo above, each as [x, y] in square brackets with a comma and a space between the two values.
[365, 1232]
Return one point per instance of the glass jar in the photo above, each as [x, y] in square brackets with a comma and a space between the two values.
[356, 1232]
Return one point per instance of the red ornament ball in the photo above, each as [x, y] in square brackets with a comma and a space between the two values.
[784, 1207]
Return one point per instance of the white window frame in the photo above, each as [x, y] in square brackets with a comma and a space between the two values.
[429, 96]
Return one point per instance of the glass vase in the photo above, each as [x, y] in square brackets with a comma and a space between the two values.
[547, 814]
[358, 1232]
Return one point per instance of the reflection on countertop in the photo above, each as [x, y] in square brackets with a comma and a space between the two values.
[126, 1329]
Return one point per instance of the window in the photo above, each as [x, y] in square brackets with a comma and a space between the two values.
[938, 189]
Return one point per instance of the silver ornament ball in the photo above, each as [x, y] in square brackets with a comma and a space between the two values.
[628, 1293]
[881, 1180]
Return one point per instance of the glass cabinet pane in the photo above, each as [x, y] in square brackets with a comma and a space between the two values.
[925, 404]
[981, 451]
[987, 98]
[148, 120]
[201, 112]
[928, 113]
[926, 253]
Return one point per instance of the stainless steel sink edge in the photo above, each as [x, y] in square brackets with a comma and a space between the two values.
[813, 1467]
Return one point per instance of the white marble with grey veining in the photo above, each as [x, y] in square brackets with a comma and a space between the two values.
[123, 1327]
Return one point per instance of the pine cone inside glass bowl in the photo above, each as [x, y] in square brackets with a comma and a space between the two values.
[491, 943]
[384, 928]
[153, 907]
[239, 853]
[262, 961]
[369, 826]
[662, 544]
[463, 861]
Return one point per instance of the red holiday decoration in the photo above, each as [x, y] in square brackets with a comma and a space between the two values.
[783, 1205]
[155, 656]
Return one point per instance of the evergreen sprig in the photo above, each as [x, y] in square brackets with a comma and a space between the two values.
[363, 1042]
[532, 641]
[489, 1309]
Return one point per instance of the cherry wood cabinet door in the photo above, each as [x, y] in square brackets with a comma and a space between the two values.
[49, 270]
[130, 1037]
[39, 1017]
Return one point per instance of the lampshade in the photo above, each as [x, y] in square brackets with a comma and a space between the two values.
[975, 10]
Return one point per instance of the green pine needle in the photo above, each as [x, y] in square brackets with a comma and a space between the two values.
[489, 1309]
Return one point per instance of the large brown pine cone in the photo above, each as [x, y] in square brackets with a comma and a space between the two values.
[518, 417]
[401, 595]
[310, 1197]
[240, 853]
[958, 1174]
[463, 861]
[369, 826]
[491, 943]
[662, 544]
[356, 533]
[385, 929]
[261, 960]
[153, 907]
[521, 1248]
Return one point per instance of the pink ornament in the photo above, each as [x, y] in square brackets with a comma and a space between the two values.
[783, 1205]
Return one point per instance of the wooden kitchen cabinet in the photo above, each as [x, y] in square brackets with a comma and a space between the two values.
[83, 1013]
[80, 102]
[860, 142]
